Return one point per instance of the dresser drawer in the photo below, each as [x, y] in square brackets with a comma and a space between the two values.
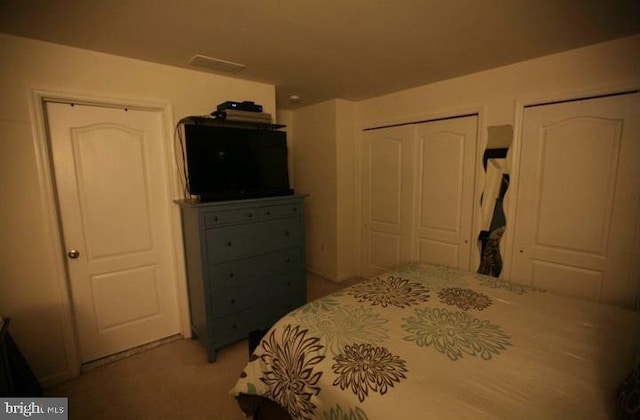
[231, 328]
[240, 241]
[233, 242]
[282, 233]
[234, 299]
[252, 269]
[225, 217]
[281, 210]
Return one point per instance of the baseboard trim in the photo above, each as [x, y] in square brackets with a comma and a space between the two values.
[128, 353]
[335, 278]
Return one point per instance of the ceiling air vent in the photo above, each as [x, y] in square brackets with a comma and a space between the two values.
[215, 64]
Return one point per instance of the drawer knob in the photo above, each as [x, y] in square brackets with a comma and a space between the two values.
[230, 275]
[286, 233]
[232, 301]
[215, 218]
[294, 209]
[288, 260]
[250, 214]
[234, 326]
[268, 212]
[229, 243]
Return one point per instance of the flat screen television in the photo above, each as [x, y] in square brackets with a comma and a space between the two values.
[228, 163]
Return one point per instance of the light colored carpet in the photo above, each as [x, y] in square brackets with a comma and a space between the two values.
[170, 381]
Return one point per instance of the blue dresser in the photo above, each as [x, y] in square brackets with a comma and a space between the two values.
[245, 265]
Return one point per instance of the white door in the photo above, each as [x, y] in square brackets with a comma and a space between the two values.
[417, 194]
[578, 204]
[387, 197]
[445, 187]
[114, 205]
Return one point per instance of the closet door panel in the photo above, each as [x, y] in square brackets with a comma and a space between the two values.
[384, 250]
[580, 282]
[579, 198]
[445, 186]
[387, 197]
[578, 221]
[444, 253]
[442, 177]
[386, 162]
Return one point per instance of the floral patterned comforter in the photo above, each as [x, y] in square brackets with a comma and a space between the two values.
[426, 341]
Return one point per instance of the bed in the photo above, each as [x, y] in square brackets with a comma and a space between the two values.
[430, 342]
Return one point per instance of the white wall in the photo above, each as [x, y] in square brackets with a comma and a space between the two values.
[32, 284]
[314, 134]
[347, 195]
[285, 117]
[599, 68]
[324, 149]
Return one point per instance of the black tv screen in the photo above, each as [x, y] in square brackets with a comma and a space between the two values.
[226, 163]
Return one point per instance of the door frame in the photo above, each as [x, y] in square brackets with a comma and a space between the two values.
[52, 221]
[515, 157]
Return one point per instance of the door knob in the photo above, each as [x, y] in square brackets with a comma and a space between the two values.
[74, 253]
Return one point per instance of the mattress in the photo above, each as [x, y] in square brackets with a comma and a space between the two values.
[425, 341]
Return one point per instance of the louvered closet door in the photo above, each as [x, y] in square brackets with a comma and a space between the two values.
[578, 201]
[387, 197]
[446, 156]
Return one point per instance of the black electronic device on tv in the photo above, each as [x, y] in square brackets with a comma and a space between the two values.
[249, 106]
[229, 163]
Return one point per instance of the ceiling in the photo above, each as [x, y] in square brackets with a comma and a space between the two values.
[350, 49]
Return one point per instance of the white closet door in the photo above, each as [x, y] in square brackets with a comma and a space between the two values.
[578, 201]
[387, 197]
[445, 186]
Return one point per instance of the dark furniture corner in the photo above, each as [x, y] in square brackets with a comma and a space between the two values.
[16, 378]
